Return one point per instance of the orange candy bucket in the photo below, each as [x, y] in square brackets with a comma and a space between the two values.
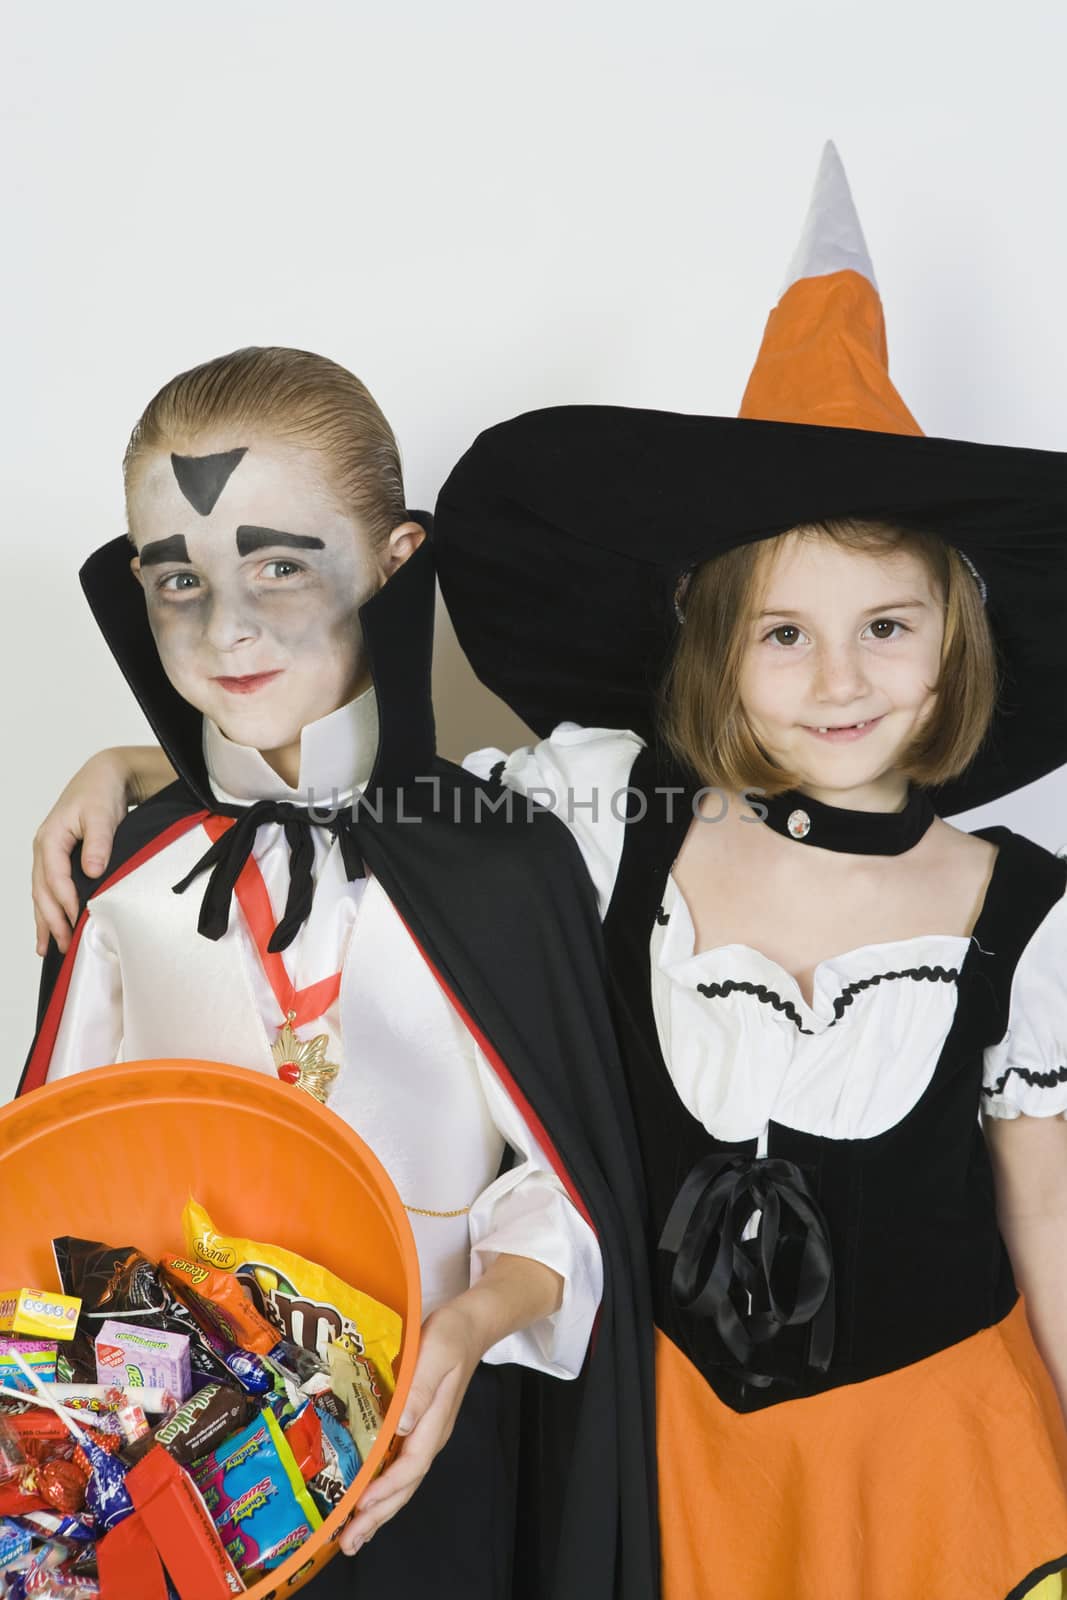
[113, 1154]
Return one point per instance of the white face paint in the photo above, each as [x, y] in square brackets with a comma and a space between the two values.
[257, 629]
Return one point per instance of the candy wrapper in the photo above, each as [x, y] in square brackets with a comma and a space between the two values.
[12, 1456]
[133, 1422]
[352, 1379]
[256, 1495]
[303, 1435]
[220, 1299]
[175, 1518]
[248, 1369]
[106, 1497]
[41, 1434]
[63, 1484]
[19, 1491]
[209, 1417]
[75, 1532]
[129, 1563]
[38, 1314]
[19, 1496]
[15, 1542]
[306, 1303]
[48, 1576]
[100, 1398]
[38, 1354]
[341, 1460]
[306, 1368]
[118, 1282]
[148, 1357]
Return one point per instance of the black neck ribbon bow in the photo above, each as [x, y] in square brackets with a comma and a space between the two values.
[227, 856]
[752, 1288]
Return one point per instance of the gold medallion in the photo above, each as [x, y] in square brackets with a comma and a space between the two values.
[303, 1063]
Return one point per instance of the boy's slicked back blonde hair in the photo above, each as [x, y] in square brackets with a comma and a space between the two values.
[290, 395]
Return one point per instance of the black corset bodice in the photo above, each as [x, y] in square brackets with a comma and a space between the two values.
[869, 1253]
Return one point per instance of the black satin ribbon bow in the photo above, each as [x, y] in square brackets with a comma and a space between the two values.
[227, 856]
[715, 1268]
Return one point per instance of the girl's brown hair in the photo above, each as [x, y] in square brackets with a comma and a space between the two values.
[291, 395]
[703, 720]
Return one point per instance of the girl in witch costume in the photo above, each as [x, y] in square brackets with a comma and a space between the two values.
[288, 682]
[820, 986]
[844, 1020]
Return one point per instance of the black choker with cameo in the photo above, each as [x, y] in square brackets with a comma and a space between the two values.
[855, 833]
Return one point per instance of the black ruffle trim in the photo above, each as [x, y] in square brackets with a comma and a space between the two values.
[717, 991]
[662, 917]
[919, 974]
[1039, 1080]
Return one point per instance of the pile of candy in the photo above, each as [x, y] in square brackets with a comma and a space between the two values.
[180, 1427]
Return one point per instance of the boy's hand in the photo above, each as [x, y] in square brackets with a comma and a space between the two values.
[448, 1355]
[512, 1293]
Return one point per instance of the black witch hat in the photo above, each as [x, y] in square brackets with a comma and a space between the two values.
[561, 535]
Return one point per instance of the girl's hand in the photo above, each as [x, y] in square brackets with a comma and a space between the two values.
[512, 1293]
[90, 808]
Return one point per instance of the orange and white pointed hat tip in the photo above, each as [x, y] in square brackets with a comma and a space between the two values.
[832, 238]
[823, 358]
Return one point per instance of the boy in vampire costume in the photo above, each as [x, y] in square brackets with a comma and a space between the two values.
[435, 971]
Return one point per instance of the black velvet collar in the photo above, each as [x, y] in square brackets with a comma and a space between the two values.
[397, 626]
[855, 833]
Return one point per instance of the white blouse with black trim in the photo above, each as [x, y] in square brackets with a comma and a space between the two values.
[742, 1045]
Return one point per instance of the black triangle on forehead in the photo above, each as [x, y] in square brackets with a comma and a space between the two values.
[202, 479]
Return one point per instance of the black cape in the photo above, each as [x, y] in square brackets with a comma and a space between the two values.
[499, 902]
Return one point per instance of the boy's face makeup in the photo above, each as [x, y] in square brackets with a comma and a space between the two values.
[842, 663]
[253, 578]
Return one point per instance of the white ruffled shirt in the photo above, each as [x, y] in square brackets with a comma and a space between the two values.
[413, 1082]
[854, 1062]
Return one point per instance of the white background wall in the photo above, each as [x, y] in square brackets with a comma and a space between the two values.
[480, 207]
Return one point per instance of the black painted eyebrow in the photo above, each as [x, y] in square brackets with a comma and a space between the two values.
[251, 539]
[162, 550]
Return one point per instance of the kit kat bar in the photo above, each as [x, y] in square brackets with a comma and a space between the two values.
[181, 1528]
[129, 1563]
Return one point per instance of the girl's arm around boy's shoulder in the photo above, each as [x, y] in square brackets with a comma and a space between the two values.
[88, 812]
[581, 775]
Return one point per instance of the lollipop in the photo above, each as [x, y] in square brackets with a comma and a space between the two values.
[106, 1498]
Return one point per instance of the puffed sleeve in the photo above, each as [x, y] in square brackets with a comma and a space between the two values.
[527, 1212]
[1026, 1073]
[90, 1030]
[581, 774]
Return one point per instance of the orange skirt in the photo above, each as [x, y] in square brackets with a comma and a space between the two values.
[945, 1480]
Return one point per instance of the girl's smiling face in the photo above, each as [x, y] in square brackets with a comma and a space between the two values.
[841, 664]
[254, 606]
